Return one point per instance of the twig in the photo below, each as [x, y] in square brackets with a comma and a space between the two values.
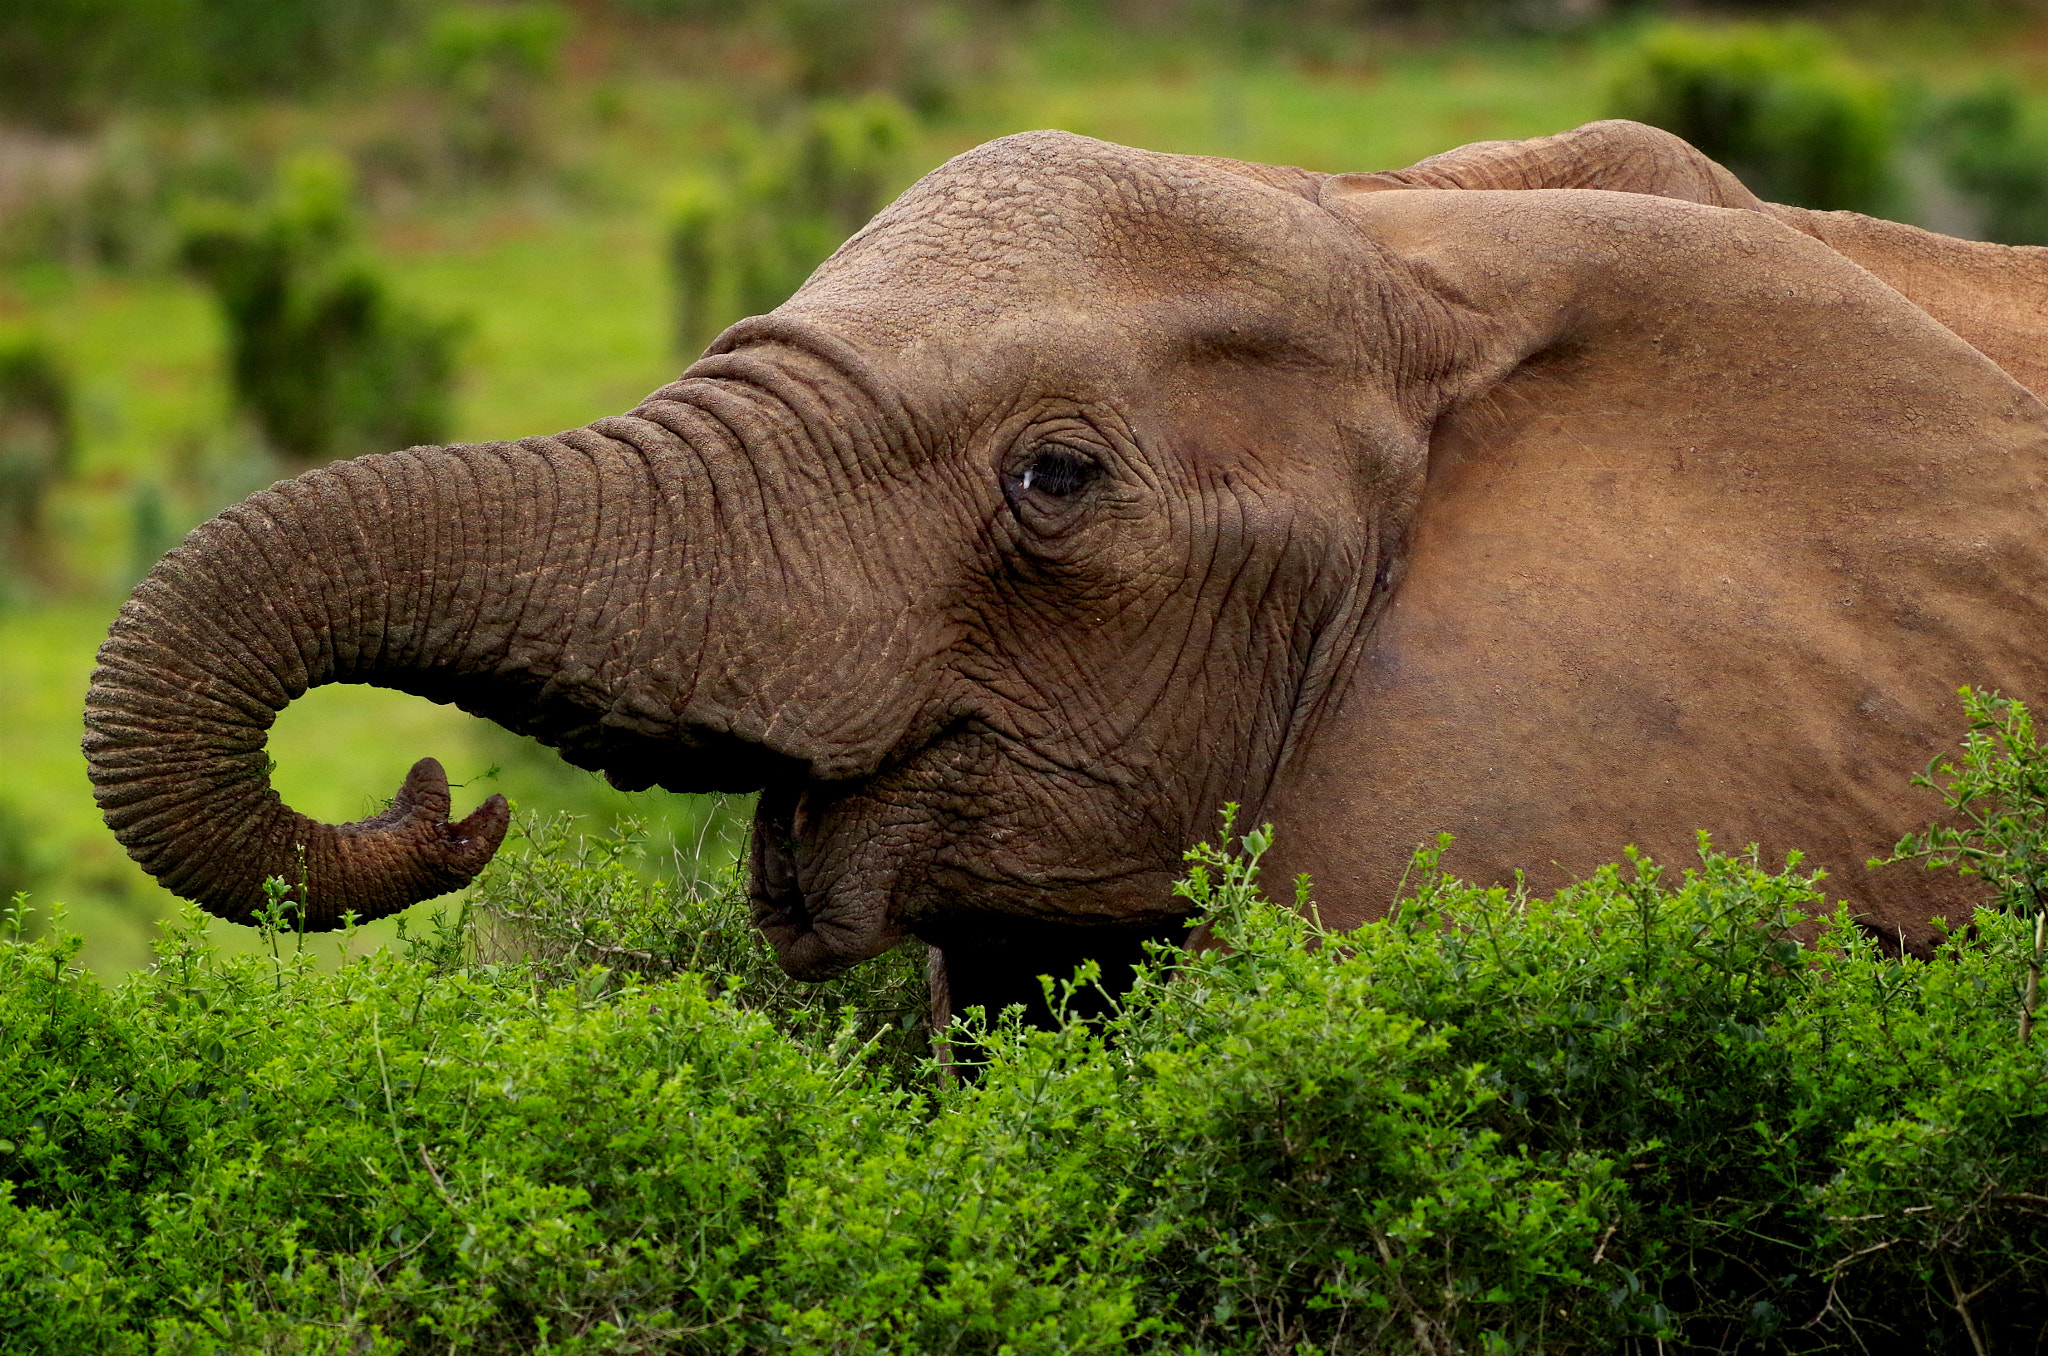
[390, 1104]
[1955, 1287]
[1836, 1269]
[434, 1173]
[2027, 1196]
[2033, 973]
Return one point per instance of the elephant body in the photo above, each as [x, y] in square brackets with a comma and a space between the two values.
[1558, 495]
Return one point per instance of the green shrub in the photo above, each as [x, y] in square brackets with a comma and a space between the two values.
[565, 901]
[67, 62]
[115, 209]
[149, 527]
[913, 50]
[1995, 150]
[1999, 791]
[741, 242]
[490, 62]
[1633, 1116]
[841, 47]
[396, 1157]
[322, 358]
[701, 245]
[1796, 123]
[38, 450]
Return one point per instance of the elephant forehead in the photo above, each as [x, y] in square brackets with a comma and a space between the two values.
[1040, 216]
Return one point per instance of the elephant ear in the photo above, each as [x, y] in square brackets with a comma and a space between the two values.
[1995, 297]
[1613, 155]
[1714, 526]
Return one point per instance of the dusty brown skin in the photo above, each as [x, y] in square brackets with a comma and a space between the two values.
[1557, 494]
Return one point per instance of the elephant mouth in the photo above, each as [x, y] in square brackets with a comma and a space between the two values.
[951, 845]
[818, 925]
[832, 884]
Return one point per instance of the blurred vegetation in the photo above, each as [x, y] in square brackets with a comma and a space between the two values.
[233, 236]
[1781, 108]
[742, 240]
[491, 62]
[65, 62]
[1994, 144]
[320, 356]
[38, 450]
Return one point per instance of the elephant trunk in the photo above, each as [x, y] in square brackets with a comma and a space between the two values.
[473, 574]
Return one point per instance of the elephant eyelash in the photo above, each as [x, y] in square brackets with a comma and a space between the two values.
[1058, 473]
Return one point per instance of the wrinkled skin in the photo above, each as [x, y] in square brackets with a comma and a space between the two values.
[1556, 494]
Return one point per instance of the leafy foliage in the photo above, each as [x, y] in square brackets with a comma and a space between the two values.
[490, 62]
[323, 359]
[1796, 123]
[1637, 1112]
[564, 901]
[741, 242]
[1995, 150]
[2000, 792]
[63, 62]
[38, 449]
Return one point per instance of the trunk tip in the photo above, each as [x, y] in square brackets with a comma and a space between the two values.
[453, 853]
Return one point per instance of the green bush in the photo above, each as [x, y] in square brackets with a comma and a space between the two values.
[117, 212]
[703, 241]
[841, 47]
[1795, 122]
[1637, 1115]
[741, 242]
[67, 62]
[563, 901]
[1995, 150]
[490, 62]
[38, 450]
[917, 51]
[322, 358]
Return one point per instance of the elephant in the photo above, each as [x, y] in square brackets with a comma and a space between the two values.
[1557, 495]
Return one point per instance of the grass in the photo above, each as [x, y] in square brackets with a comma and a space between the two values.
[564, 287]
[1379, 115]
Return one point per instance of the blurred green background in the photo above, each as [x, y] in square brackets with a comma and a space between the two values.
[241, 237]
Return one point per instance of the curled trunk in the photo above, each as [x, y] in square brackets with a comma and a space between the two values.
[396, 570]
[667, 597]
[520, 581]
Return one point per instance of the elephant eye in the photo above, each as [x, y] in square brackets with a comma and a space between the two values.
[1057, 472]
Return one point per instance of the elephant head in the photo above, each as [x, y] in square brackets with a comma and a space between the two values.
[1087, 489]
